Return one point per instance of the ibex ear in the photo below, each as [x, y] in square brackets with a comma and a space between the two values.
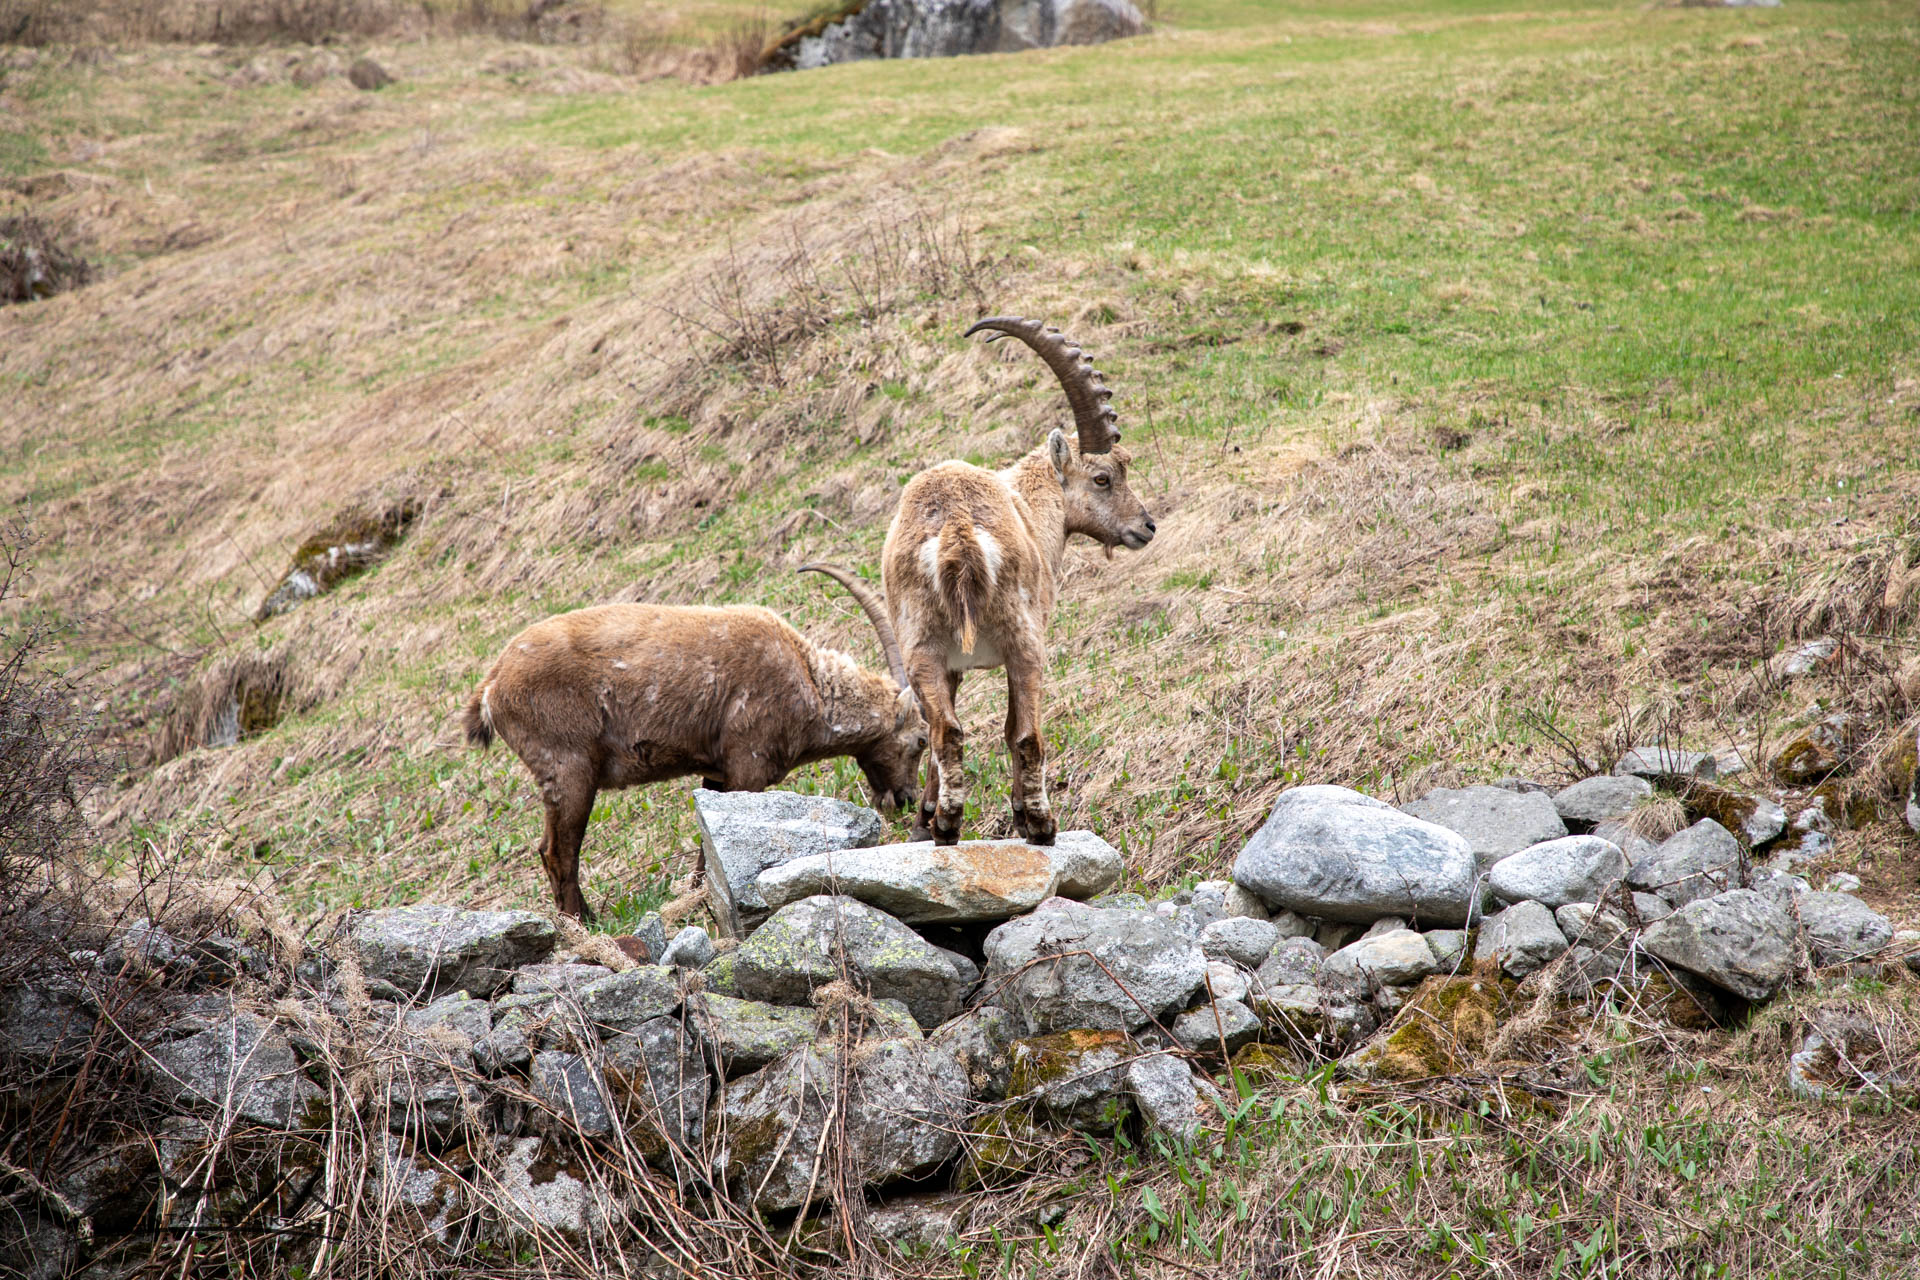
[1060, 453]
[905, 707]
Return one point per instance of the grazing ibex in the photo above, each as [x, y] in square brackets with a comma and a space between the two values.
[969, 570]
[626, 694]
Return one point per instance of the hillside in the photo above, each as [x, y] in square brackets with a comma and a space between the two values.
[1494, 374]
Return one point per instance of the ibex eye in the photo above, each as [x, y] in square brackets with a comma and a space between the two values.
[1102, 481]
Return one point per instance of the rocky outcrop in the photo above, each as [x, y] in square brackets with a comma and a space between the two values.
[868, 29]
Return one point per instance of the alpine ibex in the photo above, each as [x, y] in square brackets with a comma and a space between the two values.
[626, 694]
[970, 567]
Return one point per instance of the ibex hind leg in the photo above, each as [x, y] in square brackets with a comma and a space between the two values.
[1027, 756]
[946, 797]
[569, 802]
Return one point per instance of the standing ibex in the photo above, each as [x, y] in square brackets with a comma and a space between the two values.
[969, 570]
[625, 694]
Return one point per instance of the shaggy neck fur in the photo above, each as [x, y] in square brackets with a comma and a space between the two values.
[1037, 484]
[857, 705]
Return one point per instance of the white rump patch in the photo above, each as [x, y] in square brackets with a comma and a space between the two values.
[989, 548]
[486, 707]
[930, 558]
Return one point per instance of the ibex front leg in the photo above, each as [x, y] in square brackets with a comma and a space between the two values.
[1026, 749]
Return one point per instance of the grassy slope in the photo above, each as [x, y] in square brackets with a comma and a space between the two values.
[1484, 363]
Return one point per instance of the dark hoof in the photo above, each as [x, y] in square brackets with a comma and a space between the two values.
[944, 834]
[1039, 831]
[920, 833]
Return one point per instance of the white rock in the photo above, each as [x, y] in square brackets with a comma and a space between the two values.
[1556, 872]
[1397, 959]
[1340, 855]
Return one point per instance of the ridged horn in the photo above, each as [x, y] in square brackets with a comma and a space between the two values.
[876, 611]
[1092, 414]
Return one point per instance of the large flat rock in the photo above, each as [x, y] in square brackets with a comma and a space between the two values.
[245, 1066]
[743, 833]
[921, 882]
[1334, 853]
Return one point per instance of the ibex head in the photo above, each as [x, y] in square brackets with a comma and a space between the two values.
[891, 762]
[1093, 476]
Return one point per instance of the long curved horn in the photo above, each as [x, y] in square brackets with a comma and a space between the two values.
[1088, 395]
[876, 611]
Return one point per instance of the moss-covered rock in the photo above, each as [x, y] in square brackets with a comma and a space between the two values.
[353, 541]
[1442, 1030]
[1074, 1078]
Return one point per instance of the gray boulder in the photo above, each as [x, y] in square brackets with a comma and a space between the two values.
[1601, 931]
[1841, 928]
[1398, 958]
[657, 1078]
[1696, 863]
[456, 1012]
[1334, 853]
[1633, 844]
[903, 1114]
[1765, 823]
[803, 945]
[571, 1089]
[1086, 864]
[1556, 872]
[981, 1042]
[743, 833]
[1737, 940]
[1295, 962]
[1241, 939]
[44, 1021]
[691, 948]
[1068, 966]
[545, 979]
[1163, 1093]
[1449, 947]
[923, 883]
[1496, 821]
[1602, 799]
[431, 949]
[1225, 900]
[1203, 1030]
[1667, 762]
[626, 999]
[947, 28]
[743, 1036]
[243, 1065]
[1520, 939]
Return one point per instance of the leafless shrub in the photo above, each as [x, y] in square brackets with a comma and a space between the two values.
[757, 310]
[47, 756]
